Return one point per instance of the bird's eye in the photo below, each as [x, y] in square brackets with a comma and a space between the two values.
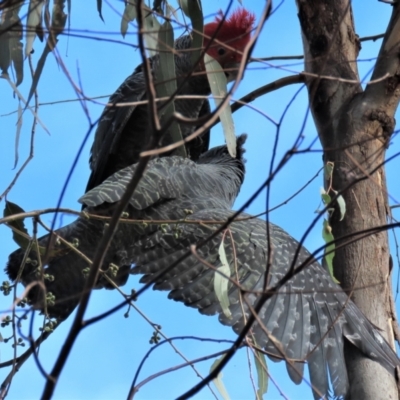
[221, 51]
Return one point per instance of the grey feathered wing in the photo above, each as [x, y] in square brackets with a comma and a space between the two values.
[169, 187]
[123, 130]
[308, 317]
[112, 149]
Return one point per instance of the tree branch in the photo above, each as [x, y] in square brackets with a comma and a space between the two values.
[385, 94]
[347, 118]
[105, 241]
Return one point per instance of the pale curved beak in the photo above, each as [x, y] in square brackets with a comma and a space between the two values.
[231, 71]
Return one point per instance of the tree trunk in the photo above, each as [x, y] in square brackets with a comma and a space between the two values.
[354, 126]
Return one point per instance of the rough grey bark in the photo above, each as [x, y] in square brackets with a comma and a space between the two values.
[354, 126]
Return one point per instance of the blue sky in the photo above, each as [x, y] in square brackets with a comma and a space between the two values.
[106, 355]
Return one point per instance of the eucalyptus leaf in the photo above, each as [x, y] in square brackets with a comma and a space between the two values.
[129, 15]
[166, 80]
[47, 16]
[171, 11]
[195, 13]
[325, 197]
[10, 40]
[262, 374]
[18, 133]
[330, 248]
[16, 52]
[221, 282]
[58, 21]
[342, 205]
[185, 6]
[34, 20]
[69, 8]
[99, 6]
[328, 170]
[165, 74]
[150, 36]
[218, 83]
[218, 380]
[5, 56]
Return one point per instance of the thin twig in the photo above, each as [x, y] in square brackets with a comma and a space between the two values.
[107, 237]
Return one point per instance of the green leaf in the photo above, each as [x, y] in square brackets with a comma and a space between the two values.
[325, 197]
[21, 240]
[218, 82]
[99, 6]
[171, 11]
[18, 133]
[262, 373]
[166, 80]
[330, 248]
[16, 52]
[342, 205]
[221, 282]
[38, 73]
[69, 9]
[328, 170]
[128, 16]
[218, 380]
[5, 56]
[185, 6]
[10, 40]
[58, 20]
[165, 74]
[151, 27]
[195, 13]
[34, 20]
